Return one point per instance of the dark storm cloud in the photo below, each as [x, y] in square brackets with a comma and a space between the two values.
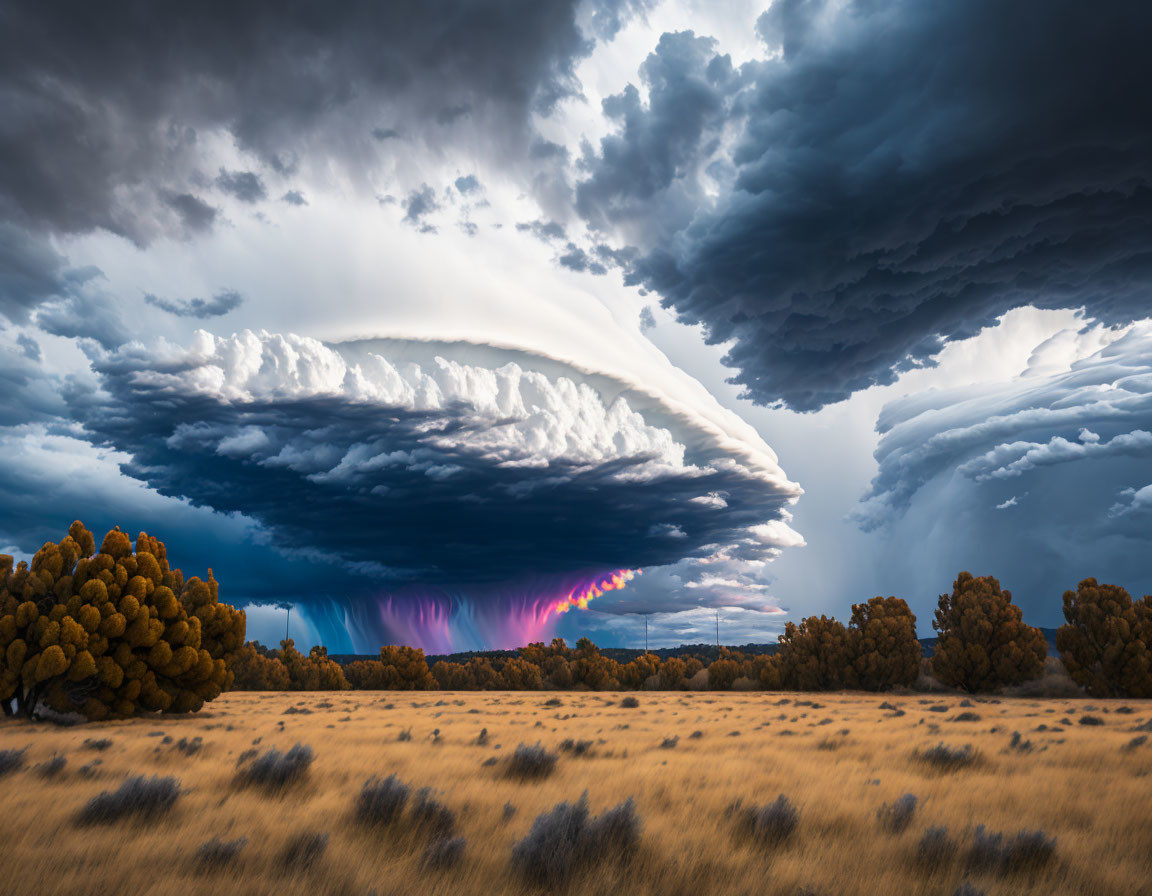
[430, 486]
[31, 270]
[467, 185]
[244, 185]
[576, 259]
[419, 203]
[201, 309]
[545, 231]
[900, 175]
[106, 105]
[196, 214]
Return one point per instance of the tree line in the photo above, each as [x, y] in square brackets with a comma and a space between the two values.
[115, 632]
[983, 645]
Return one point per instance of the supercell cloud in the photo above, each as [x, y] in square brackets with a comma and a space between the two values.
[443, 488]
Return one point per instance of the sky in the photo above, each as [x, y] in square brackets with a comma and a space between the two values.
[465, 325]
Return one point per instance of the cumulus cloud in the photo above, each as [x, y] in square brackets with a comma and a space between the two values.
[442, 472]
[891, 176]
[201, 309]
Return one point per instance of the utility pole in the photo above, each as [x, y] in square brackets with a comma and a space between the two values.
[287, 621]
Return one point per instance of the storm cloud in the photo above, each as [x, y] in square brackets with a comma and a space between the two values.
[892, 176]
[1045, 477]
[448, 474]
[110, 111]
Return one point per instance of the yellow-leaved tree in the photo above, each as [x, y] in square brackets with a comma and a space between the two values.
[113, 632]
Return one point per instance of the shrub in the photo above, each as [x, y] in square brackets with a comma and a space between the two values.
[948, 758]
[576, 747]
[770, 825]
[966, 889]
[304, 849]
[444, 853]
[935, 849]
[1138, 741]
[52, 768]
[11, 761]
[530, 762]
[98, 745]
[275, 771]
[111, 633]
[1029, 851]
[630, 703]
[1105, 645]
[137, 796]
[987, 849]
[217, 853]
[966, 717]
[896, 818]
[669, 742]
[984, 643]
[565, 839]
[190, 747]
[1091, 720]
[382, 800]
[432, 815]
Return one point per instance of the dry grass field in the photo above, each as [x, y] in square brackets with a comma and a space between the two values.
[694, 762]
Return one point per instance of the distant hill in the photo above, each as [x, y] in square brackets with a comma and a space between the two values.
[705, 652]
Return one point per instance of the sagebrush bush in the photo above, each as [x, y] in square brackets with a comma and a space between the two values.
[576, 747]
[770, 825]
[274, 771]
[669, 742]
[1028, 851]
[987, 849]
[948, 758]
[100, 745]
[304, 849]
[444, 853]
[432, 815]
[217, 853]
[11, 761]
[935, 849]
[896, 818]
[51, 768]
[530, 762]
[630, 703]
[137, 796]
[382, 800]
[565, 839]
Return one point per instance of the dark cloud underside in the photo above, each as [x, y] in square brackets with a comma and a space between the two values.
[902, 175]
[106, 104]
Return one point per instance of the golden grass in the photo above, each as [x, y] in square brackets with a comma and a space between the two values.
[1077, 784]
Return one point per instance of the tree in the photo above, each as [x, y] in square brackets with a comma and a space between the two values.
[256, 669]
[406, 669]
[814, 655]
[314, 672]
[885, 650]
[635, 673]
[1106, 645]
[721, 674]
[673, 671]
[984, 643]
[520, 675]
[112, 633]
